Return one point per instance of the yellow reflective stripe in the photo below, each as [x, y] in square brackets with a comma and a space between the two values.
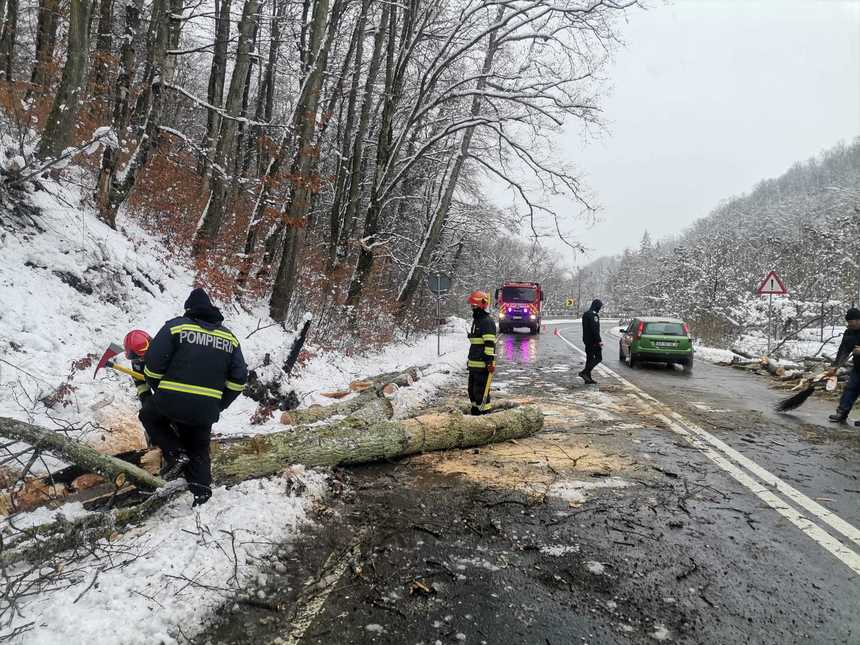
[237, 387]
[142, 388]
[476, 341]
[485, 406]
[152, 374]
[489, 337]
[476, 364]
[490, 351]
[187, 388]
[212, 332]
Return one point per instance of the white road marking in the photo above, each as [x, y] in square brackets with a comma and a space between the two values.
[734, 463]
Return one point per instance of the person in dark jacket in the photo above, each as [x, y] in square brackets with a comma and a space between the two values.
[850, 346]
[482, 352]
[195, 368]
[591, 340]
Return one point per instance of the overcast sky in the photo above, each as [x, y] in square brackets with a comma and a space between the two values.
[708, 98]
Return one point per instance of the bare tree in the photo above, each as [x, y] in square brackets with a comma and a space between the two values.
[60, 127]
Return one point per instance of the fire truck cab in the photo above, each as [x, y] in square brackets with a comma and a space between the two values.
[519, 305]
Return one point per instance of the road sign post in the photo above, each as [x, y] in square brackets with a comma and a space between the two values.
[439, 285]
[771, 286]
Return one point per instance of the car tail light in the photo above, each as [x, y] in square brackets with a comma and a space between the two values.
[686, 329]
[639, 330]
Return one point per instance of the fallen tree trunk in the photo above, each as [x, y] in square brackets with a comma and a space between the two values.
[354, 441]
[78, 453]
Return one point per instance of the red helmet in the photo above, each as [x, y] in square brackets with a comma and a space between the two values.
[136, 343]
[479, 299]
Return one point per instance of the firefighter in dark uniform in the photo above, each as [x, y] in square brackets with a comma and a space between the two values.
[482, 352]
[195, 368]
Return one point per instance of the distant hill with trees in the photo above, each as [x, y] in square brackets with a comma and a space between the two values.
[804, 223]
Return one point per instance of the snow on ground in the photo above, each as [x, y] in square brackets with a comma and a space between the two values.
[174, 571]
[69, 292]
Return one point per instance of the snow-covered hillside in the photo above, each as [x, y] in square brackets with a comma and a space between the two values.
[69, 287]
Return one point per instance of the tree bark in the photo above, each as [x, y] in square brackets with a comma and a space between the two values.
[46, 39]
[120, 117]
[104, 48]
[335, 214]
[7, 39]
[353, 441]
[356, 159]
[213, 217]
[76, 452]
[294, 212]
[164, 32]
[217, 74]
[60, 127]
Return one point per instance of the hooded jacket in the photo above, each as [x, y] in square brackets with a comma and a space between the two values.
[194, 365]
[850, 340]
[591, 325]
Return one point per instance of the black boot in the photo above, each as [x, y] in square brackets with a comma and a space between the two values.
[841, 416]
[174, 466]
[476, 411]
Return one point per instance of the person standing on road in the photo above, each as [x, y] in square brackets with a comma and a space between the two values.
[195, 368]
[482, 352]
[591, 340]
[850, 346]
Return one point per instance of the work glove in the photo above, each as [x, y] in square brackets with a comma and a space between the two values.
[491, 368]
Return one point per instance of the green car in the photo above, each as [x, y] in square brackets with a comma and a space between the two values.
[656, 340]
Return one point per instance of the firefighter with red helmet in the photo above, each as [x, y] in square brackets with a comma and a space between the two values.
[135, 343]
[482, 352]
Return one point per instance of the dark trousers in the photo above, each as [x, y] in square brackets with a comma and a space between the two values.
[593, 356]
[174, 438]
[851, 392]
[477, 385]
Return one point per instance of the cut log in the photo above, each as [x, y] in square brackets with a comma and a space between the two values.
[355, 441]
[741, 352]
[78, 453]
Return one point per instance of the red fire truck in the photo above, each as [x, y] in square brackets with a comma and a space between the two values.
[519, 305]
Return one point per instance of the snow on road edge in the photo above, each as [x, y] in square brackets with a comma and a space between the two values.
[176, 569]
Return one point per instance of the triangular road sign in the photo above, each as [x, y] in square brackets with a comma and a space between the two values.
[772, 285]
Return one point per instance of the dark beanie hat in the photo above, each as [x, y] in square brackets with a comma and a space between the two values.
[852, 314]
[198, 299]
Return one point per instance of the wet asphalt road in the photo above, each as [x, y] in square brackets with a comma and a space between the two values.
[617, 524]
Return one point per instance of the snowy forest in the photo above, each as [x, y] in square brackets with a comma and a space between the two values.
[322, 155]
[804, 224]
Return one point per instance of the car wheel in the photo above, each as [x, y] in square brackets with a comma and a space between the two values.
[620, 352]
[688, 366]
[537, 328]
[631, 360]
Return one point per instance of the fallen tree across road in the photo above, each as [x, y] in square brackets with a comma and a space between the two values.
[366, 435]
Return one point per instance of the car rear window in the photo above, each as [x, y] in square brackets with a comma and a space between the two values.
[664, 329]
